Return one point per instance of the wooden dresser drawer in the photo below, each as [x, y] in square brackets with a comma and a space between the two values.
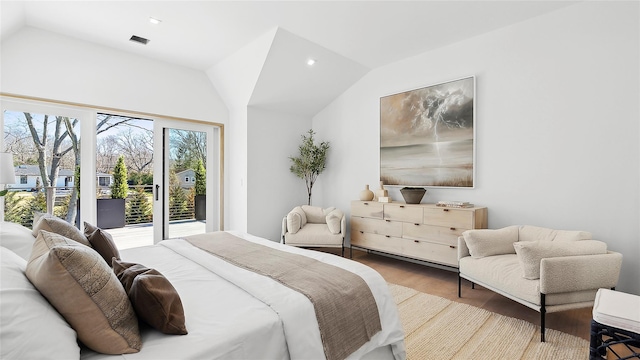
[376, 226]
[449, 217]
[378, 242]
[437, 253]
[368, 209]
[403, 212]
[439, 234]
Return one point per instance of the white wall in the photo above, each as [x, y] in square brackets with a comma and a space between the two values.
[272, 190]
[235, 78]
[42, 64]
[557, 109]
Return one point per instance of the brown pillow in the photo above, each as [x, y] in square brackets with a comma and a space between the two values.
[86, 292]
[154, 299]
[102, 242]
[56, 225]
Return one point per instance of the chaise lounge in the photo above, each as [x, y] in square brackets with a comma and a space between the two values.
[546, 270]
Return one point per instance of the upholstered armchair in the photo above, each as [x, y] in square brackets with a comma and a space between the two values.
[312, 226]
[546, 270]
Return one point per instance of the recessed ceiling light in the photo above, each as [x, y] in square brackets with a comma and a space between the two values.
[154, 20]
[310, 62]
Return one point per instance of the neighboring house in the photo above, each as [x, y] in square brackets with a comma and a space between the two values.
[28, 175]
[187, 178]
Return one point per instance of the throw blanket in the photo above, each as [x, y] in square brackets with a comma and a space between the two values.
[345, 309]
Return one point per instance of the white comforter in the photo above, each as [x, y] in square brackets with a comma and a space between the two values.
[232, 313]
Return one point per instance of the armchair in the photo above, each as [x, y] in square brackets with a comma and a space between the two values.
[312, 226]
[546, 270]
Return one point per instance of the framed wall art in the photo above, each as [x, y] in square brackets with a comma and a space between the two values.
[427, 136]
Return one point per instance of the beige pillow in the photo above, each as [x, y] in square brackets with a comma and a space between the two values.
[314, 214]
[535, 233]
[488, 242]
[56, 225]
[294, 221]
[86, 292]
[531, 252]
[102, 242]
[334, 219]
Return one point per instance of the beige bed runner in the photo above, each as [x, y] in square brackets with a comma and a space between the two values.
[345, 308]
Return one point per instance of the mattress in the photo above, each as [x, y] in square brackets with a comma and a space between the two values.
[233, 313]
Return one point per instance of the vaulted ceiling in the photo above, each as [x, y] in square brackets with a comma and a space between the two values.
[353, 36]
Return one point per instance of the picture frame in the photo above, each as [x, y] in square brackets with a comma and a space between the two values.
[427, 136]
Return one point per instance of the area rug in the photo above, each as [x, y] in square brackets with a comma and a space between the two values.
[438, 328]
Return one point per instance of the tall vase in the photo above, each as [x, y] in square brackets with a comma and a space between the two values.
[366, 194]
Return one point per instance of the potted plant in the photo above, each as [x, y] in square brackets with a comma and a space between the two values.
[200, 201]
[310, 162]
[111, 212]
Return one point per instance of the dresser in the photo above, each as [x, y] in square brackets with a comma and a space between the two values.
[418, 231]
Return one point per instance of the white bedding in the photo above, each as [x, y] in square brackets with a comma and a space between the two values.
[232, 313]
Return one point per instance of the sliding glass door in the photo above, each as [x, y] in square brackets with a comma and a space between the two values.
[165, 173]
[186, 187]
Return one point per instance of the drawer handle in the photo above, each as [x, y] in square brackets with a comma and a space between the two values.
[451, 246]
[416, 241]
[388, 220]
[445, 210]
[401, 206]
[416, 224]
[452, 229]
[387, 236]
[366, 203]
[361, 232]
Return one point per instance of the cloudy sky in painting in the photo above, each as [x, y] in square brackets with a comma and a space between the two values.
[431, 114]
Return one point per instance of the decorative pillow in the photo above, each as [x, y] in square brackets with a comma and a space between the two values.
[56, 225]
[487, 242]
[16, 238]
[531, 252]
[102, 242]
[37, 216]
[154, 299]
[535, 233]
[334, 219]
[86, 292]
[31, 327]
[314, 214]
[294, 221]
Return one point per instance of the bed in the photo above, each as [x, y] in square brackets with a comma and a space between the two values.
[230, 312]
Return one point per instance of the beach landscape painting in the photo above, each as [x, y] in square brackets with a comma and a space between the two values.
[427, 136]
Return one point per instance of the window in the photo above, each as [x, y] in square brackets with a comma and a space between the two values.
[103, 181]
[23, 179]
[193, 179]
[186, 179]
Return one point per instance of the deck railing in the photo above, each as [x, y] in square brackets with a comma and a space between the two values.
[21, 205]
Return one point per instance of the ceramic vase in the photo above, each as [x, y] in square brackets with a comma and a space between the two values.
[366, 194]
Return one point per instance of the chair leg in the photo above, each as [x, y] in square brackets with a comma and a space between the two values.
[543, 312]
[342, 250]
[473, 285]
[350, 252]
[459, 283]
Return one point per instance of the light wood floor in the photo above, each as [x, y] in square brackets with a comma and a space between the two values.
[444, 283]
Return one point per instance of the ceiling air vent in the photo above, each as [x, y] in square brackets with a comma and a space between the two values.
[139, 39]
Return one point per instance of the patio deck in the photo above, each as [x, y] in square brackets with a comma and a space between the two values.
[138, 235]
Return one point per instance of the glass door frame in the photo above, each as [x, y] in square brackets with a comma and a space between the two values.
[87, 115]
[87, 120]
[213, 167]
